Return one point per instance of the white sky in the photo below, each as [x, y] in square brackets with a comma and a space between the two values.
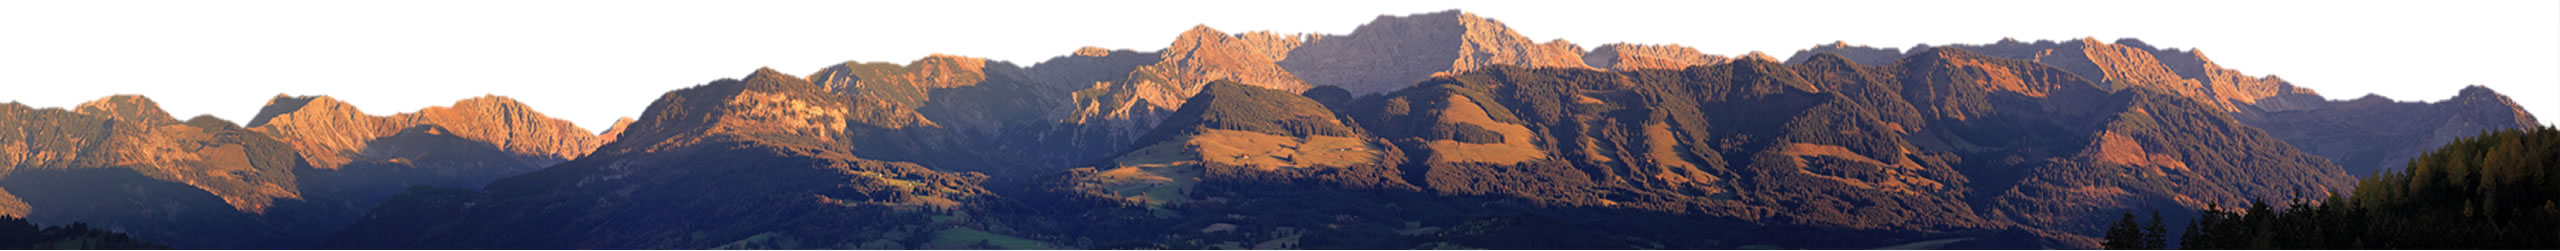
[592, 62]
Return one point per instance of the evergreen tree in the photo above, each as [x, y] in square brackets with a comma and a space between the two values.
[2125, 234]
[2155, 236]
[2194, 236]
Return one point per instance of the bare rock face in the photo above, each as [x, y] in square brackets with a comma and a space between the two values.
[1269, 44]
[11, 206]
[1860, 54]
[331, 133]
[1194, 60]
[1118, 95]
[1394, 52]
[1202, 55]
[328, 132]
[1629, 57]
[1116, 86]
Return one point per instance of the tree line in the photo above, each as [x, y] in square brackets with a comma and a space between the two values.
[2499, 190]
[16, 233]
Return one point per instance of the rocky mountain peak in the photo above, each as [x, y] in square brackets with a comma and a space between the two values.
[284, 104]
[507, 124]
[1273, 44]
[1628, 57]
[768, 73]
[1204, 54]
[132, 108]
[331, 133]
[2498, 110]
[1393, 52]
[2477, 92]
[1757, 55]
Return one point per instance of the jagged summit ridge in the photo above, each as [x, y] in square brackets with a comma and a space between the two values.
[1203, 54]
[1393, 52]
[331, 133]
[2130, 63]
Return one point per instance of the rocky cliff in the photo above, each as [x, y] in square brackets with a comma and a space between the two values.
[1393, 52]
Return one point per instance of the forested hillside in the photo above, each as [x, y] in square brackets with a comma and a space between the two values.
[2497, 190]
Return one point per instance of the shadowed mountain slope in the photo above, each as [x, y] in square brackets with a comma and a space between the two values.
[767, 161]
[2362, 135]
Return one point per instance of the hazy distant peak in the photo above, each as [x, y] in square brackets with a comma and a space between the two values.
[1858, 53]
[1628, 57]
[2477, 91]
[1757, 55]
[1449, 15]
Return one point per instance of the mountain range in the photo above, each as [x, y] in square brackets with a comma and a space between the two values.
[1434, 130]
